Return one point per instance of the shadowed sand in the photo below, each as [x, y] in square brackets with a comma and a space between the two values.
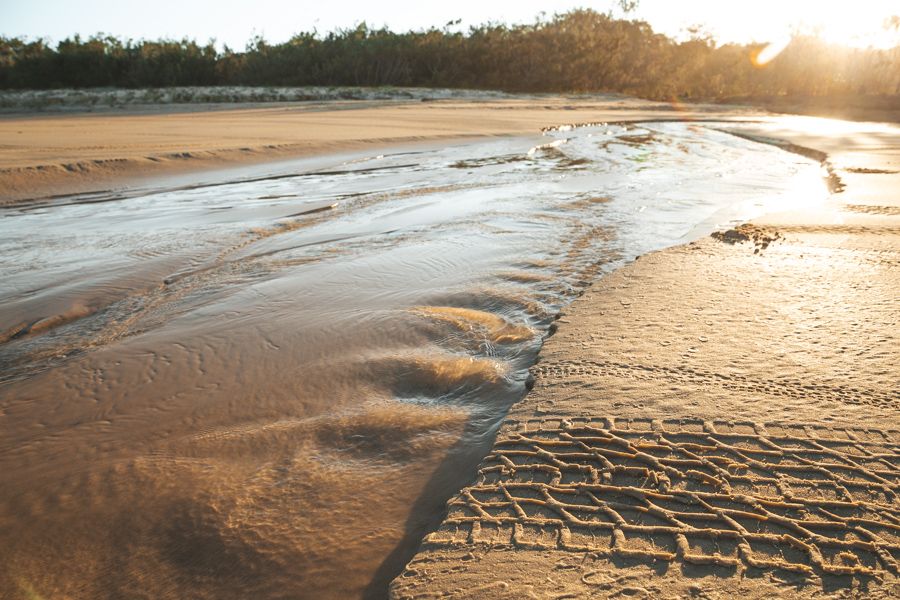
[716, 419]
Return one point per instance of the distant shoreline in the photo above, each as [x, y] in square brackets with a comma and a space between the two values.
[20, 103]
[52, 154]
[884, 109]
[81, 143]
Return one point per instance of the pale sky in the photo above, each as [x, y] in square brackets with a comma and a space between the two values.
[859, 22]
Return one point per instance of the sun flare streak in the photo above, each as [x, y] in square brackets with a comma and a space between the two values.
[770, 52]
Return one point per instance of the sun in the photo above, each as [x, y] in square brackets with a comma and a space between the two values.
[857, 24]
[865, 24]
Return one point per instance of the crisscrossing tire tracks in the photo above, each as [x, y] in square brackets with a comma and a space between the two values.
[807, 499]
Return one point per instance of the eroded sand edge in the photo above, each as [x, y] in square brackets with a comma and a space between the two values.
[715, 419]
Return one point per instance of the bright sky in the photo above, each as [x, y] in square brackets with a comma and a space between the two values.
[859, 22]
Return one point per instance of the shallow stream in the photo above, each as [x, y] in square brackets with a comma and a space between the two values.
[268, 384]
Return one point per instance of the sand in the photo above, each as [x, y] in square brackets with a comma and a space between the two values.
[736, 350]
[713, 420]
[45, 154]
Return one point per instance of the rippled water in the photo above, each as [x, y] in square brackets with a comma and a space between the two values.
[268, 386]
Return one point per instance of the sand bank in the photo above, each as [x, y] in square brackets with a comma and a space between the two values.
[271, 387]
[219, 425]
[71, 153]
[715, 419]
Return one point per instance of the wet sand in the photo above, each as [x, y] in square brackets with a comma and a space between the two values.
[715, 420]
[62, 154]
[268, 384]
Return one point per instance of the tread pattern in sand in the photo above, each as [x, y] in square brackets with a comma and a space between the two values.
[806, 499]
[890, 211]
[577, 370]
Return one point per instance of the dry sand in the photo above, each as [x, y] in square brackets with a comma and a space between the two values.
[43, 155]
[714, 420]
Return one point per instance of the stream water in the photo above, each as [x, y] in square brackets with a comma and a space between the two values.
[268, 385]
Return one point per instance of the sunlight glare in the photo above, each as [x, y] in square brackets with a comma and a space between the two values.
[821, 126]
[866, 24]
[859, 26]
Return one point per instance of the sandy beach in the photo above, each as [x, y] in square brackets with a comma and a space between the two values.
[716, 419]
[371, 301]
[269, 343]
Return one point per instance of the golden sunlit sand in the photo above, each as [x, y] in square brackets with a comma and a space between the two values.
[575, 307]
[235, 422]
[715, 420]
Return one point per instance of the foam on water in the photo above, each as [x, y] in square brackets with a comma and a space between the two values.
[269, 385]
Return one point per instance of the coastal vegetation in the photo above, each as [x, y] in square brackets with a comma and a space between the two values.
[579, 51]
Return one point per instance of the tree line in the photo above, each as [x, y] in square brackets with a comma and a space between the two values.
[579, 51]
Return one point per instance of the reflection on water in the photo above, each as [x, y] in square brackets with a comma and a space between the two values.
[269, 387]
